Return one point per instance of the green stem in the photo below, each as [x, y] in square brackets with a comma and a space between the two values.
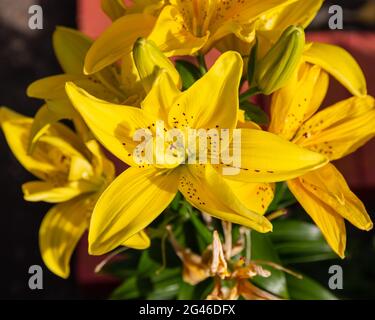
[202, 64]
[163, 253]
[248, 245]
[249, 93]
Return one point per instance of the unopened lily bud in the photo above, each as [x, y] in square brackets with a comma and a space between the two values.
[149, 60]
[276, 67]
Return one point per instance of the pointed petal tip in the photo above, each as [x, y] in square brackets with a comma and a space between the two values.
[60, 272]
[63, 273]
[368, 226]
[89, 69]
[94, 247]
[340, 250]
[319, 159]
[92, 252]
[268, 227]
[235, 55]
[265, 226]
[7, 114]
[86, 72]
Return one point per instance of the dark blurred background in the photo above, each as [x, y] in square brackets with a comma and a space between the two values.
[27, 55]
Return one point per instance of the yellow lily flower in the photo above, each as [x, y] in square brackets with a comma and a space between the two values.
[70, 173]
[333, 59]
[181, 28]
[335, 132]
[270, 26]
[143, 191]
[70, 48]
[112, 83]
[149, 61]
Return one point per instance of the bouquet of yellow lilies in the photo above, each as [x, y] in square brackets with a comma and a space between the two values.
[204, 208]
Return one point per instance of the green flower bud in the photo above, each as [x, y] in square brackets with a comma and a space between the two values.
[277, 66]
[149, 60]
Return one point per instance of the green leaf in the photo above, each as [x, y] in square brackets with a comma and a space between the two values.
[127, 290]
[204, 288]
[166, 284]
[294, 230]
[298, 241]
[262, 249]
[303, 252]
[203, 232]
[307, 289]
[189, 73]
[186, 291]
[283, 197]
[147, 266]
[175, 204]
[254, 113]
[252, 63]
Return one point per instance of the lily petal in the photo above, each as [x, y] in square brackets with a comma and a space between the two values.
[112, 124]
[148, 6]
[60, 231]
[71, 47]
[52, 87]
[138, 241]
[46, 191]
[161, 97]
[117, 41]
[329, 222]
[209, 192]
[59, 138]
[102, 166]
[172, 35]
[340, 129]
[245, 12]
[340, 64]
[114, 9]
[255, 196]
[130, 79]
[330, 187]
[42, 121]
[133, 200]
[298, 13]
[212, 101]
[266, 157]
[298, 100]
[244, 18]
